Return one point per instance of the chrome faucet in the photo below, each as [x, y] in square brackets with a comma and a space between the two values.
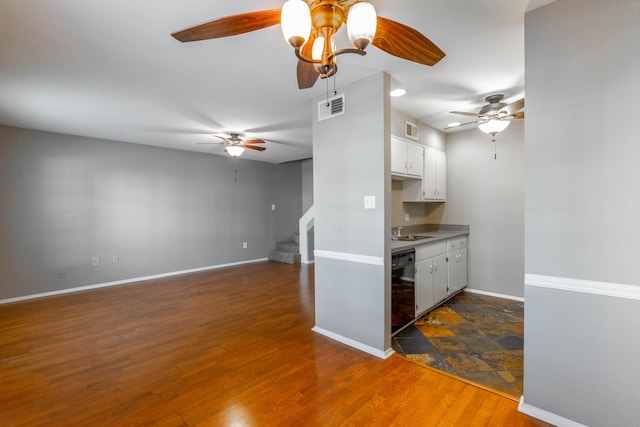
[398, 231]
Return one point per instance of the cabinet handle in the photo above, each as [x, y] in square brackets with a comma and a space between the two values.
[431, 268]
[435, 267]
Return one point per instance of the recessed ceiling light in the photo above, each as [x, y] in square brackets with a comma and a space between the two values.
[454, 124]
[397, 92]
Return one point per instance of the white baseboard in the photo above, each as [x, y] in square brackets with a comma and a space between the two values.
[493, 294]
[125, 281]
[355, 344]
[546, 416]
[344, 256]
[617, 290]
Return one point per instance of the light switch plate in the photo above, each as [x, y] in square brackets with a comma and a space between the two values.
[369, 202]
[407, 217]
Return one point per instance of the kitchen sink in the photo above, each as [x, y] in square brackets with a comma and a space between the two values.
[410, 238]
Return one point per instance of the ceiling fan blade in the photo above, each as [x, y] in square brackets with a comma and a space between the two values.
[463, 124]
[515, 116]
[405, 42]
[464, 113]
[254, 147]
[514, 107]
[254, 141]
[229, 26]
[307, 72]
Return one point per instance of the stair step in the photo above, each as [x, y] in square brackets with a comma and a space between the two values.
[285, 257]
[292, 247]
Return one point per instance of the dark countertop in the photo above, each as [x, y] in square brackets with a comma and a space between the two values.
[436, 236]
[437, 233]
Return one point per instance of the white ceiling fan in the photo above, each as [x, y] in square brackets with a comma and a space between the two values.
[494, 117]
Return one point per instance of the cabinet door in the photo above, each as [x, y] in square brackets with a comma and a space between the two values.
[440, 278]
[424, 286]
[398, 156]
[457, 269]
[441, 176]
[415, 159]
[429, 176]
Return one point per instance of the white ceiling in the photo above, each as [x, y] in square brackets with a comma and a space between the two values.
[110, 69]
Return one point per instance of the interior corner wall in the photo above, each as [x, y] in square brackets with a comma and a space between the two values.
[65, 199]
[582, 281]
[307, 184]
[488, 195]
[288, 199]
[350, 161]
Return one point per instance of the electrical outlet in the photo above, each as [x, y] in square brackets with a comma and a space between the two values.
[116, 258]
[62, 274]
[369, 202]
[244, 245]
[407, 217]
[273, 207]
[95, 261]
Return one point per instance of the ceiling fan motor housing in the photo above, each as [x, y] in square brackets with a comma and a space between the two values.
[494, 105]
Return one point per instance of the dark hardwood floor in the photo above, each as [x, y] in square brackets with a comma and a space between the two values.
[232, 346]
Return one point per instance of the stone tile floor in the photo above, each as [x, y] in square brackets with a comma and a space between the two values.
[473, 336]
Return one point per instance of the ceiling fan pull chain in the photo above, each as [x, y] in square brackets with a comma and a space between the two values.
[334, 83]
[327, 92]
[495, 149]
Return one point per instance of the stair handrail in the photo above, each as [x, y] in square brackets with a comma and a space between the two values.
[305, 223]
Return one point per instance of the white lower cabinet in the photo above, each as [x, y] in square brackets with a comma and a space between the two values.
[431, 275]
[457, 264]
[441, 271]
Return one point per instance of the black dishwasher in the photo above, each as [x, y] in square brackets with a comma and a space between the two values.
[403, 301]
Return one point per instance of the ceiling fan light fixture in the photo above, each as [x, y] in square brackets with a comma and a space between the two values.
[318, 48]
[295, 21]
[493, 126]
[235, 150]
[361, 24]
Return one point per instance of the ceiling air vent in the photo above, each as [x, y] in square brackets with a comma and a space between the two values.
[411, 130]
[333, 107]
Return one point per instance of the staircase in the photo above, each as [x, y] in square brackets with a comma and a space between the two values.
[287, 252]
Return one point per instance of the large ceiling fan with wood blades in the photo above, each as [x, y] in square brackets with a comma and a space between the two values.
[235, 146]
[309, 26]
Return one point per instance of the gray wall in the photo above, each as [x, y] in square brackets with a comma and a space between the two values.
[488, 195]
[288, 199]
[65, 199]
[582, 207]
[307, 184]
[350, 161]
[427, 135]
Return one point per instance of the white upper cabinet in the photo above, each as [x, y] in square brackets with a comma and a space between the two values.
[407, 158]
[434, 181]
[433, 186]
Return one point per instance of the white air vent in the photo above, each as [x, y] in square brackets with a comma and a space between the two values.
[332, 108]
[411, 130]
